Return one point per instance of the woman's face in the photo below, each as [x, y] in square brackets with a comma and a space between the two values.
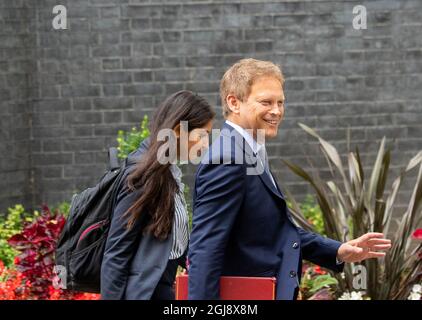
[199, 141]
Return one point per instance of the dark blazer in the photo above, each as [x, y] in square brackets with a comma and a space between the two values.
[242, 226]
[133, 263]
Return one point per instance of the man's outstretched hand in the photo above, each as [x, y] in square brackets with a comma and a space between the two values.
[370, 245]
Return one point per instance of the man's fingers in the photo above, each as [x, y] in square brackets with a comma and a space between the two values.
[381, 247]
[375, 254]
[378, 241]
[372, 235]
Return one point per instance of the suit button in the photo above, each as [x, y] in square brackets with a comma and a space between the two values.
[292, 274]
[295, 245]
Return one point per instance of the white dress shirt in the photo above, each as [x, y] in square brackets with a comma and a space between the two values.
[181, 217]
[255, 146]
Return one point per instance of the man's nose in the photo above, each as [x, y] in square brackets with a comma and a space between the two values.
[276, 110]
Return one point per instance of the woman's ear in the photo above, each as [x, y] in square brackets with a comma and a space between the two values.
[176, 130]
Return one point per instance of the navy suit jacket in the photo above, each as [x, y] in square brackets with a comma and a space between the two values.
[242, 226]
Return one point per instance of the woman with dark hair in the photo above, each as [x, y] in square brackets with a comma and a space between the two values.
[148, 236]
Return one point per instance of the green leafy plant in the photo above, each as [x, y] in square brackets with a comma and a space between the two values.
[322, 281]
[63, 208]
[10, 225]
[129, 141]
[359, 204]
[33, 238]
[317, 284]
[312, 212]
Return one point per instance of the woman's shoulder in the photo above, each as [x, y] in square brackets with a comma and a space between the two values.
[128, 166]
[123, 189]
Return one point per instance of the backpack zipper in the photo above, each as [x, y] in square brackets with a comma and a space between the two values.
[92, 227]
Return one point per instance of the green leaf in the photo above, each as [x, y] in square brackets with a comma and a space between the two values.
[130, 141]
[322, 281]
[297, 214]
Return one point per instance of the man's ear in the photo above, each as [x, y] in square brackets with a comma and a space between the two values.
[233, 103]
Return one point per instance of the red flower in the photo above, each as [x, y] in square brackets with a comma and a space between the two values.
[417, 234]
[33, 276]
[318, 270]
[86, 296]
[12, 285]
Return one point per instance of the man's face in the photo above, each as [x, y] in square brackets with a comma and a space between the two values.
[264, 108]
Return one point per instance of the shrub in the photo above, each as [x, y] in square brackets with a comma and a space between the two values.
[312, 212]
[9, 226]
[317, 284]
[12, 284]
[359, 204]
[130, 141]
[63, 208]
[36, 245]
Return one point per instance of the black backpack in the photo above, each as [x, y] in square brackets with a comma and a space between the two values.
[80, 248]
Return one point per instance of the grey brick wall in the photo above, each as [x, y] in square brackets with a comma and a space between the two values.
[17, 69]
[65, 93]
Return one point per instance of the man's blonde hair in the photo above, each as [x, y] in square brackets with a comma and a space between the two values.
[240, 77]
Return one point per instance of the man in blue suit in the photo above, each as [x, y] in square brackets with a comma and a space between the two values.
[241, 224]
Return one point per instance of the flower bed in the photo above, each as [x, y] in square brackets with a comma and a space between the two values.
[31, 274]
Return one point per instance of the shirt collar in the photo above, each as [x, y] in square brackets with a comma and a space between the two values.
[255, 146]
[177, 173]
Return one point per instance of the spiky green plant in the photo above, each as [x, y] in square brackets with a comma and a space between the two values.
[353, 204]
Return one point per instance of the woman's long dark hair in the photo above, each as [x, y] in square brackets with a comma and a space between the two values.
[155, 179]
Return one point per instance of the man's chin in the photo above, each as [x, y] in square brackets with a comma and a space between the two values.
[270, 131]
[270, 134]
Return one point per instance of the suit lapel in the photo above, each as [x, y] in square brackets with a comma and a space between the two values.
[278, 187]
[267, 181]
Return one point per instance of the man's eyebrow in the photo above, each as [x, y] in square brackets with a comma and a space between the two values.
[275, 98]
[266, 96]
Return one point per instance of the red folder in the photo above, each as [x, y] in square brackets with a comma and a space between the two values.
[234, 288]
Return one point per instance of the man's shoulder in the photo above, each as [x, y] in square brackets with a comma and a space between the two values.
[227, 148]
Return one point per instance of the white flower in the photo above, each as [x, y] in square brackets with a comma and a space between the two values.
[417, 288]
[414, 296]
[356, 296]
[416, 292]
[351, 296]
[345, 296]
